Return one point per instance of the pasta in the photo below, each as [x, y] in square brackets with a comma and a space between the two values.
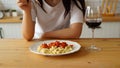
[56, 47]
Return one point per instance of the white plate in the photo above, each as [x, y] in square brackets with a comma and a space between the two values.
[76, 47]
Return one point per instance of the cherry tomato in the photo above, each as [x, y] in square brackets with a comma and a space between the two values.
[64, 44]
[44, 45]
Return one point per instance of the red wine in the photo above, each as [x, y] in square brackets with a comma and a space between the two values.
[93, 24]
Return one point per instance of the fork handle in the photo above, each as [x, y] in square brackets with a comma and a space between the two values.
[27, 1]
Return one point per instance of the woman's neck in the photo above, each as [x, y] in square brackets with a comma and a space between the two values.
[52, 2]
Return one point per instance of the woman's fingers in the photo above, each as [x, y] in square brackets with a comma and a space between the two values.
[22, 1]
[21, 4]
[19, 1]
[24, 5]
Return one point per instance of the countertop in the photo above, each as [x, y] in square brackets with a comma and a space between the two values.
[17, 19]
[15, 53]
[11, 19]
[111, 18]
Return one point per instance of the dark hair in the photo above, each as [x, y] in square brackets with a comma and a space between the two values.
[67, 5]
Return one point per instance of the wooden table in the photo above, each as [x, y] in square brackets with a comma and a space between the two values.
[14, 53]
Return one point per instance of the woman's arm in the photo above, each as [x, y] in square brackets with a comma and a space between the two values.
[74, 31]
[27, 23]
[28, 26]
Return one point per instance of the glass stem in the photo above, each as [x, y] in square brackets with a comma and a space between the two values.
[93, 33]
[93, 36]
[93, 43]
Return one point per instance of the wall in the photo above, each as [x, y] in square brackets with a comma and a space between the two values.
[99, 2]
[4, 4]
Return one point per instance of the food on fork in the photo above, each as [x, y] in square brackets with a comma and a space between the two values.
[56, 47]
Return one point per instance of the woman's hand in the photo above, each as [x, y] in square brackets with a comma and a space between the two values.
[25, 5]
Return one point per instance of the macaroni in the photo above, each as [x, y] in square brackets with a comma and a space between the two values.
[55, 48]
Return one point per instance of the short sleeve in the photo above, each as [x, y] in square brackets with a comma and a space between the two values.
[76, 15]
[33, 10]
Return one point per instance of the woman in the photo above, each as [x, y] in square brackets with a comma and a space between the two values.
[52, 18]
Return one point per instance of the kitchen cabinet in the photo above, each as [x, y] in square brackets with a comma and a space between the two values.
[1, 36]
[107, 30]
[11, 27]
[11, 30]
[110, 28]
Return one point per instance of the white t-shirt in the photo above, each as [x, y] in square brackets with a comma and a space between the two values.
[53, 19]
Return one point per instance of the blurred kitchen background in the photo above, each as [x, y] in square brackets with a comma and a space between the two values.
[11, 4]
[13, 30]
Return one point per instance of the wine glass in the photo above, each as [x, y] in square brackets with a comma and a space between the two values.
[93, 20]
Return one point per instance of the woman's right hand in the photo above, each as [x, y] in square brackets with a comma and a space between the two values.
[25, 5]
